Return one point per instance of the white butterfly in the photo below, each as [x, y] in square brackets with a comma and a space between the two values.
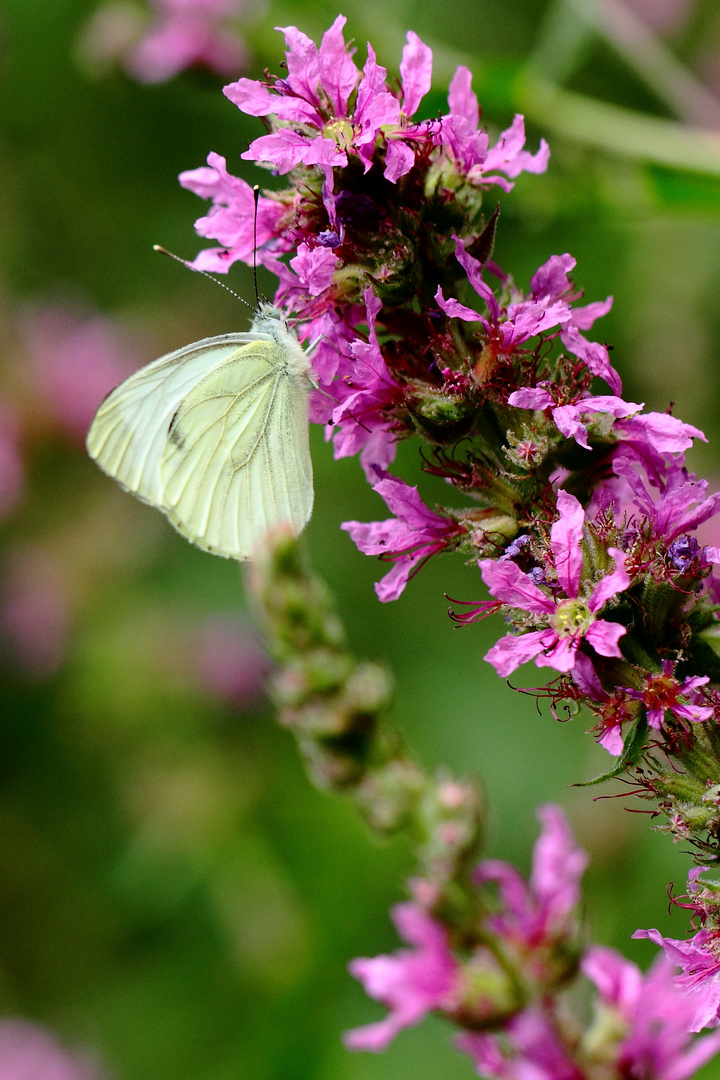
[216, 436]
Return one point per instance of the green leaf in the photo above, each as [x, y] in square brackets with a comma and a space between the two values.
[632, 752]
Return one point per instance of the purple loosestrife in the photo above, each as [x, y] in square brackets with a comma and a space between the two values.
[576, 506]
[569, 615]
[524, 945]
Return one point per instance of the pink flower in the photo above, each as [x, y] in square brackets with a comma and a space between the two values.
[532, 1049]
[571, 419]
[409, 539]
[229, 662]
[411, 982]
[367, 394]
[74, 361]
[182, 34]
[521, 320]
[28, 1052]
[571, 618]
[231, 217]
[314, 268]
[539, 912]
[699, 959]
[35, 611]
[315, 94]
[458, 134]
[662, 693]
[12, 472]
[682, 504]
[548, 306]
[184, 39]
[656, 1014]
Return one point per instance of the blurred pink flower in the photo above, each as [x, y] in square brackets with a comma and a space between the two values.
[11, 465]
[74, 361]
[229, 661]
[34, 613]
[27, 1052]
[540, 911]
[179, 34]
[411, 982]
[666, 16]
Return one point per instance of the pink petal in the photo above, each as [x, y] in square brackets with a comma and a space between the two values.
[338, 74]
[508, 583]
[604, 637]
[512, 651]
[416, 72]
[561, 656]
[455, 310]
[461, 99]
[399, 160]
[286, 149]
[565, 537]
[530, 398]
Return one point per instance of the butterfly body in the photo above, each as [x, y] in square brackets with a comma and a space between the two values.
[216, 436]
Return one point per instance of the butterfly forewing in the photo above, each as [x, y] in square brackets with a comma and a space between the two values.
[237, 461]
[130, 429]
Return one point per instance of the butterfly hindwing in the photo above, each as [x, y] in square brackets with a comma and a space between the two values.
[236, 460]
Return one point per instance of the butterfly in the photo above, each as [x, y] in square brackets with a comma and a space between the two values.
[216, 436]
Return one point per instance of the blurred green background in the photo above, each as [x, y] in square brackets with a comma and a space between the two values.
[173, 894]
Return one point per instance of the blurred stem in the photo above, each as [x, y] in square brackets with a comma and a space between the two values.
[647, 55]
[563, 42]
[334, 706]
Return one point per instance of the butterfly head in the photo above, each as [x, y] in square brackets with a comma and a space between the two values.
[268, 319]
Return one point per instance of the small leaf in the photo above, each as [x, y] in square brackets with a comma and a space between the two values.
[632, 752]
[482, 246]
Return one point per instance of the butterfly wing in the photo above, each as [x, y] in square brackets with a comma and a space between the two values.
[237, 458]
[130, 429]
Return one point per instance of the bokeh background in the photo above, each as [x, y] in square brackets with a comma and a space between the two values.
[175, 899]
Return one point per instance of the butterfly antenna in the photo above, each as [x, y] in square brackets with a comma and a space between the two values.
[189, 265]
[256, 195]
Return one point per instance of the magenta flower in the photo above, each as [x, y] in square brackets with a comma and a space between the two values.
[28, 1052]
[655, 1013]
[12, 471]
[186, 34]
[74, 360]
[662, 693]
[699, 959]
[682, 504]
[594, 356]
[362, 421]
[408, 539]
[571, 618]
[315, 94]
[180, 34]
[228, 661]
[548, 306]
[35, 611]
[507, 327]
[231, 217]
[571, 419]
[458, 133]
[411, 982]
[539, 912]
[531, 1048]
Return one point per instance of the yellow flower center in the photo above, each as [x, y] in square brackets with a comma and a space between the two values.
[341, 131]
[572, 617]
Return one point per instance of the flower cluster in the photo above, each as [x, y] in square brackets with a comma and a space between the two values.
[509, 974]
[579, 512]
